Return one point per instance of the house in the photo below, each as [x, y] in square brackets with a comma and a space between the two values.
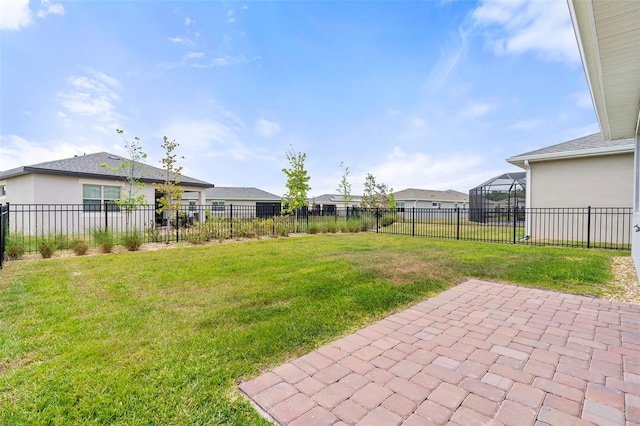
[431, 199]
[84, 182]
[587, 171]
[608, 36]
[328, 204]
[247, 201]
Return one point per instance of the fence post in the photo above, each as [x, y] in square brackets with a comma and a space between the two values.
[230, 220]
[413, 221]
[377, 219]
[515, 223]
[273, 218]
[177, 225]
[457, 223]
[589, 227]
[106, 216]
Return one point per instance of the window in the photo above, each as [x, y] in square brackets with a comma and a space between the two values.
[217, 206]
[94, 196]
[434, 204]
[3, 190]
[400, 206]
[192, 206]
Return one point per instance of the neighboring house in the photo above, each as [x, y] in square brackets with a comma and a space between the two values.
[328, 204]
[586, 171]
[431, 199]
[247, 201]
[80, 181]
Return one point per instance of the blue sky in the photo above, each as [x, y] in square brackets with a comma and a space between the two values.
[431, 95]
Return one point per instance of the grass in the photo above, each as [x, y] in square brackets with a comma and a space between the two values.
[164, 337]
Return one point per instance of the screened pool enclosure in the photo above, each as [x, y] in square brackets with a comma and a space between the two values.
[499, 199]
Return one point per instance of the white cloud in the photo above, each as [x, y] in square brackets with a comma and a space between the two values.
[403, 170]
[219, 62]
[231, 20]
[180, 40]
[529, 124]
[15, 14]
[520, 26]
[49, 8]
[91, 97]
[417, 122]
[583, 99]
[266, 128]
[192, 55]
[16, 151]
[449, 60]
[476, 109]
[188, 21]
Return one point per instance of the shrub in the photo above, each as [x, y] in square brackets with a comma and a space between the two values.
[62, 242]
[14, 251]
[47, 248]
[389, 219]
[133, 241]
[80, 248]
[104, 240]
[313, 228]
[153, 234]
[332, 227]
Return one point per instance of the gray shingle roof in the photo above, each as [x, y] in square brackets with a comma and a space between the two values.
[90, 166]
[594, 144]
[333, 199]
[412, 194]
[240, 193]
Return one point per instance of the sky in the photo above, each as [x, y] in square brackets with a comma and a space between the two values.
[430, 94]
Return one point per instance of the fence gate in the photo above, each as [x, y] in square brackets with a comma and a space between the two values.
[4, 230]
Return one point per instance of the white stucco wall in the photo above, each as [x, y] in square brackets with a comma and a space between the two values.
[605, 181]
[19, 189]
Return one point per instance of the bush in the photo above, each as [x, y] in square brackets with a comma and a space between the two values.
[14, 251]
[133, 241]
[62, 242]
[47, 248]
[153, 234]
[104, 240]
[80, 248]
[389, 219]
[313, 228]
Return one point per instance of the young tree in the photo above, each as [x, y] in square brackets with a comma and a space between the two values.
[297, 182]
[131, 172]
[344, 187]
[376, 195]
[170, 189]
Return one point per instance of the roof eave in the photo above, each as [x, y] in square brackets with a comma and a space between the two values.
[519, 160]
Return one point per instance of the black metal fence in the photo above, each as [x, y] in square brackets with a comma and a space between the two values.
[4, 228]
[30, 225]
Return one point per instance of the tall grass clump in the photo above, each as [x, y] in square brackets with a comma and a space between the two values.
[104, 240]
[132, 241]
[47, 247]
[80, 248]
[14, 250]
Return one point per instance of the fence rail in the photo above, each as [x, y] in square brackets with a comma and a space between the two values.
[30, 225]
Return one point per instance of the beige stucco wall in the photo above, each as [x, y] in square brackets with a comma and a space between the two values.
[605, 181]
[19, 190]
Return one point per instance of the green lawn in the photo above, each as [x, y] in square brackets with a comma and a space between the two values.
[164, 337]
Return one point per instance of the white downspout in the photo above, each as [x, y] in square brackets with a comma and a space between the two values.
[527, 197]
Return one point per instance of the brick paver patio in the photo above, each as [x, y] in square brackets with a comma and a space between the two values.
[479, 353]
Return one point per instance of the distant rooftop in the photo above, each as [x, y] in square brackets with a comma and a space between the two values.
[231, 193]
[90, 166]
[414, 194]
